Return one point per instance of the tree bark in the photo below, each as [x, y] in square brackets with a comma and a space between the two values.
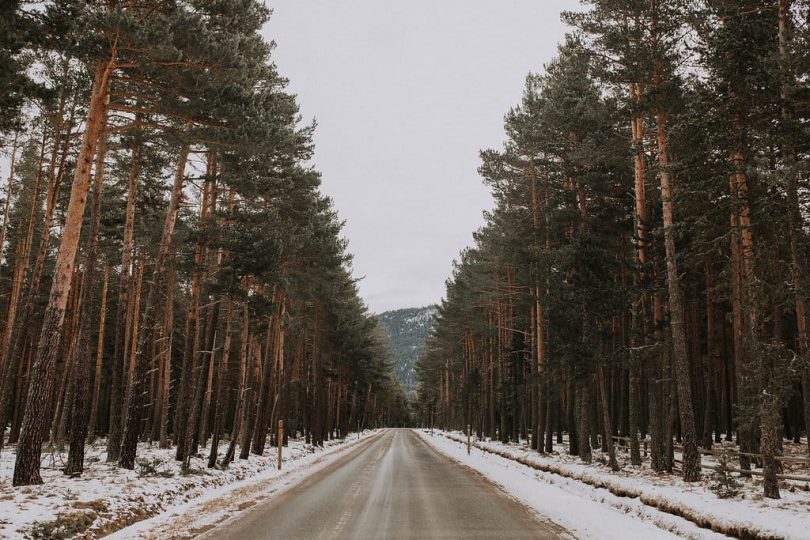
[81, 362]
[201, 385]
[135, 399]
[26, 467]
[219, 409]
[241, 388]
[119, 359]
[94, 413]
[606, 421]
[167, 359]
[249, 404]
[639, 311]
[691, 456]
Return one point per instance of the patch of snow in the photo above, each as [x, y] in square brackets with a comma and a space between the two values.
[424, 317]
[156, 491]
[658, 498]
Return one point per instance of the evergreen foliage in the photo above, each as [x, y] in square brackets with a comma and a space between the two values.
[406, 330]
[724, 484]
[206, 293]
[644, 271]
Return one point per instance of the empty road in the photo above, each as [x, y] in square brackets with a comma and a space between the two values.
[395, 486]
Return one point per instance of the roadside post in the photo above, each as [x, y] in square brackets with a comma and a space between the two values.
[469, 431]
[280, 440]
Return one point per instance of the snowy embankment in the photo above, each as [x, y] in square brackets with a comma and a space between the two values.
[689, 510]
[107, 498]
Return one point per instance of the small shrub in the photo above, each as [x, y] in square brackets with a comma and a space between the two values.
[153, 467]
[66, 525]
[192, 471]
[97, 505]
[724, 484]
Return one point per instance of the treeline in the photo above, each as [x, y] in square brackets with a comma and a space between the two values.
[644, 273]
[170, 271]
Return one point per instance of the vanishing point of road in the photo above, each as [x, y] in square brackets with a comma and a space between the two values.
[392, 486]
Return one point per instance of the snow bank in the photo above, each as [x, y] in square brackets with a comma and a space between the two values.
[685, 508]
[107, 498]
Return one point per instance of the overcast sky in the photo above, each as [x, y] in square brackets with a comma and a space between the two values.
[405, 94]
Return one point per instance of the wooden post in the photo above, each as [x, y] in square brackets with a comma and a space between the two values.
[279, 440]
[468, 439]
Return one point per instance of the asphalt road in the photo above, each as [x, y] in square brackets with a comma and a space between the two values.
[395, 486]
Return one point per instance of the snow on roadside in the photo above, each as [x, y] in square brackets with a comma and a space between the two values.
[585, 511]
[749, 515]
[216, 506]
[107, 498]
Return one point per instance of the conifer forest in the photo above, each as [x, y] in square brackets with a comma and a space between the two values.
[171, 272]
[180, 308]
[644, 273]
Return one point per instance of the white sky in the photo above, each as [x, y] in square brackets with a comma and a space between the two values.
[406, 93]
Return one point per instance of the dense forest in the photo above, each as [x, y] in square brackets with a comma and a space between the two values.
[643, 277]
[170, 272]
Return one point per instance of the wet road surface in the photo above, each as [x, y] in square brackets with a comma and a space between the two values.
[394, 486]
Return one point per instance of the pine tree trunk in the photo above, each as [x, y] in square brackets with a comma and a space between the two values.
[251, 399]
[23, 375]
[64, 388]
[769, 444]
[26, 467]
[264, 390]
[81, 362]
[551, 408]
[691, 456]
[201, 386]
[119, 360]
[639, 312]
[571, 415]
[583, 406]
[219, 409]
[135, 398]
[798, 267]
[193, 332]
[606, 421]
[167, 358]
[634, 395]
[241, 388]
[541, 361]
[94, 413]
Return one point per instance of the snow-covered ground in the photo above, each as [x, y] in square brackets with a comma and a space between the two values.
[594, 502]
[106, 498]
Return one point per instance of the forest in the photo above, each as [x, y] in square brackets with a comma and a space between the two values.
[642, 280]
[171, 274]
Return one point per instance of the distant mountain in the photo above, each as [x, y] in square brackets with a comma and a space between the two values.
[407, 330]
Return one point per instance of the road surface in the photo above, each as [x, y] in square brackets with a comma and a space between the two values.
[395, 486]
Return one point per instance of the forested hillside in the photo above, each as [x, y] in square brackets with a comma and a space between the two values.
[407, 331]
[170, 271]
[644, 273]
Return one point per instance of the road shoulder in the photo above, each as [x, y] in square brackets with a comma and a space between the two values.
[585, 512]
[218, 507]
